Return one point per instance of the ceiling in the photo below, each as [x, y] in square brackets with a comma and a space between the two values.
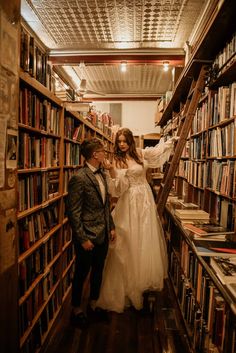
[89, 39]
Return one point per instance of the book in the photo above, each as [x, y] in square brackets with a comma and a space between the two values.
[77, 134]
[214, 247]
[188, 216]
[192, 214]
[218, 237]
[207, 229]
[225, 268]
[181, 205]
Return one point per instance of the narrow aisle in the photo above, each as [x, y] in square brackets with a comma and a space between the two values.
[130, 332]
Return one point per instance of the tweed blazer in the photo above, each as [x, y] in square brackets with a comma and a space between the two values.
[89, 217]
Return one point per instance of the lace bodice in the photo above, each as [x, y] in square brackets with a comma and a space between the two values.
[135, 174]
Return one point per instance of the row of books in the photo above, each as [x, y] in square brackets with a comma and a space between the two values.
[66, 234]
[221, 141]
[67, 175]
[218, 176]
[34, 189]
[38, 112]
[72, 156]
[198, 147]
[200, 120]
[33, 303]
[71, 130]
[217, 108]
[99, 119]
[34, 60]
[37, 151]
[46, 296]
[67, 257]
[35, 264]
[35, 226]
[217, 143]
[36, 335]
[225, 54]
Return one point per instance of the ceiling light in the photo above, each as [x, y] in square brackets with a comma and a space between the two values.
[166, 65]
[123, 66]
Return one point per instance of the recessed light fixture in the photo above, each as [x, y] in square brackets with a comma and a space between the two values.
[166, 65]
[123, 66]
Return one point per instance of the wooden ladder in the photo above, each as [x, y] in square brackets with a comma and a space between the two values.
[190, 108]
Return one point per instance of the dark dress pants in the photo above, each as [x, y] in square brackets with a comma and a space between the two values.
[85, 261]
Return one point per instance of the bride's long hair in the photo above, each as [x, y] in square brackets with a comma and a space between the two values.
[119, 156]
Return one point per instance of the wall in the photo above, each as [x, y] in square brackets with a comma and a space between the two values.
[138, 116]
[9, 91]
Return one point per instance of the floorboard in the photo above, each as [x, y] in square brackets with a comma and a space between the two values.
[158, 330]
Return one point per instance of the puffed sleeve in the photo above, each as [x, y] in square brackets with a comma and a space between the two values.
[156, 156]
[118, 185]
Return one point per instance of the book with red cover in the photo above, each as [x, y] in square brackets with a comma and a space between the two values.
[214, 247]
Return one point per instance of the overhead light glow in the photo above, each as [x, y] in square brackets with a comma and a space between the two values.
[123, 66]
[166, 65]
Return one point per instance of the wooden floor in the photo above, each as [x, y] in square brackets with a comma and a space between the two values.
[159, 331]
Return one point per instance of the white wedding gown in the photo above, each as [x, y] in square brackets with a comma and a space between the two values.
[138, 259]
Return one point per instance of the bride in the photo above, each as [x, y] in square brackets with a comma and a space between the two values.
[138, 260]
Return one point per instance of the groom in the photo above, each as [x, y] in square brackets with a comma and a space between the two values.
[88, 210]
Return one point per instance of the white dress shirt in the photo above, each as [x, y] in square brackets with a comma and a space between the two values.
[100, 181]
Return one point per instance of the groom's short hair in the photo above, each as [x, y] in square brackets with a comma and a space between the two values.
[88, 146]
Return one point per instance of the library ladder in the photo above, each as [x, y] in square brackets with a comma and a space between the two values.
[195, 91]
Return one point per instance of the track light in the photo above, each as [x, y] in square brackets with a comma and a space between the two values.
[123, 66]
[166, 65]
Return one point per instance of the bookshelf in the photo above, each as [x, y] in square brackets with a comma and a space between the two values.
[48, 155]
[44, 258]
[207, 307]
[206, 177]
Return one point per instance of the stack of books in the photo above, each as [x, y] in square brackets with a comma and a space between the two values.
[191, 215]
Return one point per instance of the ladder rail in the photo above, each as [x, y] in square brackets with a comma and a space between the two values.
[183, 135]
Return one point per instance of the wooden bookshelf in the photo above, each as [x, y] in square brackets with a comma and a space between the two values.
[48, 155]
[206, 177]
[197, 287]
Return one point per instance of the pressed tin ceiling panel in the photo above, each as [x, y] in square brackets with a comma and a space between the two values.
[142, 80]
[117, 24]
[92, 27]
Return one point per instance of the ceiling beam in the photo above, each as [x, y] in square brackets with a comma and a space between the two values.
[121, 98]
[174, 60]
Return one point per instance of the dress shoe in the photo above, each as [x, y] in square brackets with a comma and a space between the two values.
[98, 314]
[80, 320]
